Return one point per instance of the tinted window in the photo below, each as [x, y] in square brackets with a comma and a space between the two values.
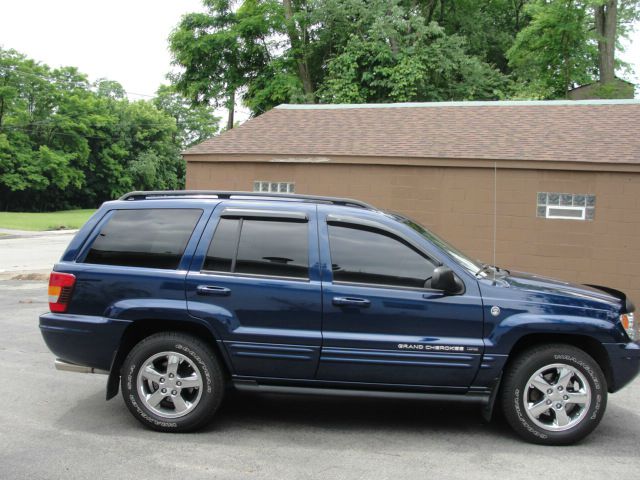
[266, 247]
[223, 247]
[152, 238]
[372, 256]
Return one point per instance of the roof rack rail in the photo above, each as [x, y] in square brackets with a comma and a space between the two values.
[156, 194]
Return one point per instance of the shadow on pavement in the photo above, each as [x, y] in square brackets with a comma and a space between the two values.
[316, 420]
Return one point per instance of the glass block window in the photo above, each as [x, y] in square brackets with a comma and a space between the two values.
[566, 206]
[273, 187]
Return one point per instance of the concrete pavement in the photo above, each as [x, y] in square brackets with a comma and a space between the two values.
[31, 253]
[57, 425]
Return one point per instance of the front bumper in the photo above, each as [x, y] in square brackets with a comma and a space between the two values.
[82, 339]
[625, 363]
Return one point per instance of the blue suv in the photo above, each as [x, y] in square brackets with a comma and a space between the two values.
[179, 295]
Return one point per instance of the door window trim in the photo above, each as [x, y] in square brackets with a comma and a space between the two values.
[239, 215]
[385, 286]
[252, 275]
[277, 215]
[378, 228]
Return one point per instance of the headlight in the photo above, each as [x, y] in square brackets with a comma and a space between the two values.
[630, 325]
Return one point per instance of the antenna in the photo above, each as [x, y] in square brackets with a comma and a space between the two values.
[495, 215]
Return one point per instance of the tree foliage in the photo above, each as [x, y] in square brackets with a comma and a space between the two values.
[397, 57]
[67, 143]
[553, 52]
[221, 49]
[568, 43]
[296, 51]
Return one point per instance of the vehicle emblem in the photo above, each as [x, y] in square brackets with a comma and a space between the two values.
[495, 311]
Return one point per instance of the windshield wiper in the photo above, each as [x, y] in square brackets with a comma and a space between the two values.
[486, 267]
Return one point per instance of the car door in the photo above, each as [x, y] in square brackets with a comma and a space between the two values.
[380, 325]
[255, 279]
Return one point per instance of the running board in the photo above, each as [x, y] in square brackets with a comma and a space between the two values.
[470, 397]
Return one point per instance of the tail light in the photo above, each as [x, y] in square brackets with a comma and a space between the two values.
[60, 288]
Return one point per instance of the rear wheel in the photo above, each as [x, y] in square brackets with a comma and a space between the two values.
[172, 382]
[554, 395]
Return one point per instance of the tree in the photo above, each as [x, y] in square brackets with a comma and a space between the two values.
[218, 51]
[489, 28]
[612, 19]
[299, 51]
[67, 143]
[397, 56]
[194, 123]
[569, 43]
[606, 16]
[296, 23]
[206, 46]
[109, 88]
[553, 52]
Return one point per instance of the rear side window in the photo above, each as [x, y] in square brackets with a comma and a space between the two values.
[371, 256]
[222, 250]
[260, 247]
[151, 238]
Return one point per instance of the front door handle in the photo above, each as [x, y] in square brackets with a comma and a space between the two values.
[213, 290]
[351, 301]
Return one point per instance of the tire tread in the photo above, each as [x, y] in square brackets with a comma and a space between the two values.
[512, 379]
[196, 419]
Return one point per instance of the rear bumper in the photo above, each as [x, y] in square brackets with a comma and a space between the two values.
[625, 363]
[81, 339]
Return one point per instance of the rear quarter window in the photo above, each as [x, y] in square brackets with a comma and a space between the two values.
[150, 238]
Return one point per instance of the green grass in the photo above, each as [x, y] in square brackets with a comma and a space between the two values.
[67, 219]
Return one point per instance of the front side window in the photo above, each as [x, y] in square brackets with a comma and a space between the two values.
[463, 260]
[150, 238]
[371, 256]
[264, 247]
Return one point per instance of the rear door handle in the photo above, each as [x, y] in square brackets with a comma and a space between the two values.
[351, 301]
[213, 290]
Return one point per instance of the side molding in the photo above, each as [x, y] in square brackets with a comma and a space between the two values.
[469, 397]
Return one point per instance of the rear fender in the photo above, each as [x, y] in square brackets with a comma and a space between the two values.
[149, 316]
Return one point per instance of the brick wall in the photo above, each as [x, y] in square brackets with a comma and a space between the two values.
[457, 204]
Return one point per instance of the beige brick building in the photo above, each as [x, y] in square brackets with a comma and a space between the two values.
[566, 174]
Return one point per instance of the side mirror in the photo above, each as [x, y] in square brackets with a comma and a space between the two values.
[444, 279]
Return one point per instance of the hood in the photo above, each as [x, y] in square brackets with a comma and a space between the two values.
[545, 289]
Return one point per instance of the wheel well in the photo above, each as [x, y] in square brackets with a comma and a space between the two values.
[140, 329]
[587, 344]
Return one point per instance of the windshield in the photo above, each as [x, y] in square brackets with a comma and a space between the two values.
[471, 265]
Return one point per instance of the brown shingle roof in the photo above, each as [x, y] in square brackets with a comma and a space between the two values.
[578, 131]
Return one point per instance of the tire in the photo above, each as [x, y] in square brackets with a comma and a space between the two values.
[554, 394]
[188, 371]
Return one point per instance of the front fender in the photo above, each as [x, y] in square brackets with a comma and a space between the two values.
[512, 328]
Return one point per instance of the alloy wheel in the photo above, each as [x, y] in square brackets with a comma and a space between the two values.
[557, 397]
[170, 384]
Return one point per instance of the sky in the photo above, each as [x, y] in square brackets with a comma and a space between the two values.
[123, 40]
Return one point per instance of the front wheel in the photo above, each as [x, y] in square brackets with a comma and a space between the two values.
[172, 382]
[554, 395]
